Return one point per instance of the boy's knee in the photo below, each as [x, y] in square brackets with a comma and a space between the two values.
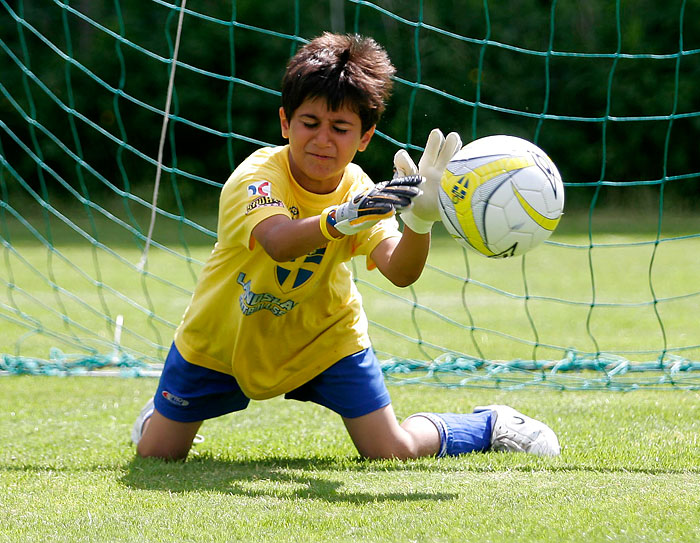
[389, 449]
[158, 450]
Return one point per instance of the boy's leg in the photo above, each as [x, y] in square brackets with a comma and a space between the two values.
[165, 438]
[379, 435]
[354, 388]
[495, 427]
[187, 394]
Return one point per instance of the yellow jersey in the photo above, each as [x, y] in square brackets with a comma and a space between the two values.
[275, 326]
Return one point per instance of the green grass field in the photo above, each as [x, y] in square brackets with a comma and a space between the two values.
[286, 471]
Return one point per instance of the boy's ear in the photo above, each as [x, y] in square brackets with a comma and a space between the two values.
[364, 140]
[284, 123]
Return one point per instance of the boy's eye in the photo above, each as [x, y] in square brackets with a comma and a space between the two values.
[311, 125]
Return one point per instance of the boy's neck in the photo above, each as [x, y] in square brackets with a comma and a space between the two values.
[318, 187]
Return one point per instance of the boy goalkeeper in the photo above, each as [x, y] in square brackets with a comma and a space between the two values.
[275, 310]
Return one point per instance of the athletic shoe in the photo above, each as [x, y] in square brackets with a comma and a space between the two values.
[144, 415]
[512, 431]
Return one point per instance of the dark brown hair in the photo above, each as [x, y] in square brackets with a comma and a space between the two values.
[345, 70]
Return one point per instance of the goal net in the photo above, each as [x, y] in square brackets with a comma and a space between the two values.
[120, 120]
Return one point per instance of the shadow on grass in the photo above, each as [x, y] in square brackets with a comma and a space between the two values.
[312, 478]
[284, 478]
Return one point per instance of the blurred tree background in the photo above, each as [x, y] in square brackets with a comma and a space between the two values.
[609, 89]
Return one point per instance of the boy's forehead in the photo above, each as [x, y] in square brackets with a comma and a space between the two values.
[318, 107]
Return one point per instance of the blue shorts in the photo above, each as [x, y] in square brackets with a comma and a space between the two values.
[352, 387]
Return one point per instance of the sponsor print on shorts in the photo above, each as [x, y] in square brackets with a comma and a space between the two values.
[175, 399]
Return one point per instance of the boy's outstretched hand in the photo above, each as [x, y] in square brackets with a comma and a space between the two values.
[367, 208]
[439, 150]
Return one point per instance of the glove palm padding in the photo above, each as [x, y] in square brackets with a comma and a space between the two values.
[438, 152]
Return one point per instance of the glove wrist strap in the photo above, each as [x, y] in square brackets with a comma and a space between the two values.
[328, 219]
[418, 225]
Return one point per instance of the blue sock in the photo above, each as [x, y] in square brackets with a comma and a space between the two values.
[461, 433]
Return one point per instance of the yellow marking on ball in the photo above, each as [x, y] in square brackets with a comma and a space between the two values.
[544, 222]
[461, 189]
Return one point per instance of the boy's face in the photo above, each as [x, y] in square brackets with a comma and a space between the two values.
[322, 143]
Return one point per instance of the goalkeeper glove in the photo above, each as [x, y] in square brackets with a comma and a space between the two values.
[401, 190]
[438, 152]
[366, 209]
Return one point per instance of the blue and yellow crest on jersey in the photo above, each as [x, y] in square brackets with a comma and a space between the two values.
[295, 273]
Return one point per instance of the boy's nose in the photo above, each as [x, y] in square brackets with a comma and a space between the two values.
[322, 136]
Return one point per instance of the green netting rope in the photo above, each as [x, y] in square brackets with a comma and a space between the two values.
[574, 372]
[449, 370]
[63, 364]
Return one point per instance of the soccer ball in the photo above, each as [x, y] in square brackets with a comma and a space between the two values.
[501, 196]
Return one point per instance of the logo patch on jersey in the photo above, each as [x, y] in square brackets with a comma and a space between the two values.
[263, 201]
[252, 302]
[259, 188]
[297, 272]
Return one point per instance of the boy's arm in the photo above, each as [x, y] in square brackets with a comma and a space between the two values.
[285, 239]
[401, 260]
